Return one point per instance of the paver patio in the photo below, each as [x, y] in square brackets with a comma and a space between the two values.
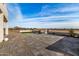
[20, 44]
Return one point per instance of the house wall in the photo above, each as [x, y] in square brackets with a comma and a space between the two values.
[4, 9]
[3, 22]
[1, 28]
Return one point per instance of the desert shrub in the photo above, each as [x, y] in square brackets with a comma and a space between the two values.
[71, 32]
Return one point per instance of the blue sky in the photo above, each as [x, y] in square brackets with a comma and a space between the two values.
[44, 15]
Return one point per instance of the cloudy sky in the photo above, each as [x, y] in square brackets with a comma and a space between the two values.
[44, 15]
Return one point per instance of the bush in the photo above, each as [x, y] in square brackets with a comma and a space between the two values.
[71, 32]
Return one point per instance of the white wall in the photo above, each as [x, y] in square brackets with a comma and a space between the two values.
[1, 28]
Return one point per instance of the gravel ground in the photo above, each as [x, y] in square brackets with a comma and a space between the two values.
[21, 44]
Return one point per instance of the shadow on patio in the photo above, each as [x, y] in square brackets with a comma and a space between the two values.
[66, 45]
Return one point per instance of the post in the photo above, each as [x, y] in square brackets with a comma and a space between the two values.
[45, 31]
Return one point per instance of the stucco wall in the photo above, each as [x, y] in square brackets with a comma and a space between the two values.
[4, 10]
[1, 28]
[3, 24]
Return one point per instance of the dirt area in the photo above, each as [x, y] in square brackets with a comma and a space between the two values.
[29, 44]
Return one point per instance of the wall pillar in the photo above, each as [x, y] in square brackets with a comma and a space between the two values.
[5, 31]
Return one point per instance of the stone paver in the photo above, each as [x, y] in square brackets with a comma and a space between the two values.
[20, 44]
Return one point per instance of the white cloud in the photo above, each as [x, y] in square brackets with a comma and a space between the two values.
[50, 11]
[15, 14]
[15, 11]
[50, 25]
[18, 18]
[69, 9]
[18, 13]
[53, 18]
